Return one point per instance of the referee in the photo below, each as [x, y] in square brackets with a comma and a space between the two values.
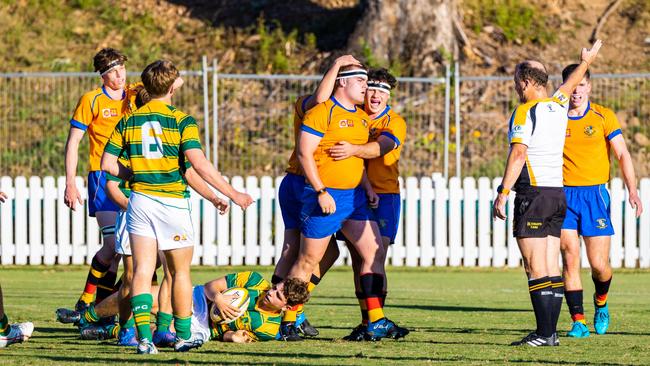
[534, 170]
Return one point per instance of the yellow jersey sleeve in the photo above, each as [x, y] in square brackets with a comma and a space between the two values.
[396, 131]
[521, 126]
[300, 107]
[83, 113]
[612, 126]
[316, 121]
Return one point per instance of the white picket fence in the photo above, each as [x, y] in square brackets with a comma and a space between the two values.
[441, 225]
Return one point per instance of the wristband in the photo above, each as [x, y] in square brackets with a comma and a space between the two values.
[502, 190]
[322, 191]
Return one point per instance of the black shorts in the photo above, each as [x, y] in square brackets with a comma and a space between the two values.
[539, 212]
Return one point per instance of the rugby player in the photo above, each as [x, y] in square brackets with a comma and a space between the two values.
[593, 131]
[291, 188]
[387, 136]
[98, 112]
[333, 201]
[157, 139]
[534, 170]
[12, 333]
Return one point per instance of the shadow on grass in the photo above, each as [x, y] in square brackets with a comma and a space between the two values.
[435, 307]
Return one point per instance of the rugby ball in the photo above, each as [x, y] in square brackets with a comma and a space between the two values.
[240, 302]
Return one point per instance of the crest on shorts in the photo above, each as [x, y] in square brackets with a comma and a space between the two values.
[601, 223]
[589, 130]
[534, 225]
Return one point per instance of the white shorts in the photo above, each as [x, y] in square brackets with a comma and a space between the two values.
[165, 219]
[122, 241]
[200, 314]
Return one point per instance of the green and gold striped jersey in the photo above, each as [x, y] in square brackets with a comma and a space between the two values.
[154, 138]
[261, 325]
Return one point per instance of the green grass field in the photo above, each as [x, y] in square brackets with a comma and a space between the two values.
[455, 316]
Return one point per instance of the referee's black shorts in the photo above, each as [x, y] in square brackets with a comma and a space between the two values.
[539, 212]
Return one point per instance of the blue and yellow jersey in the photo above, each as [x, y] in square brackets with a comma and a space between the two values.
[586, 148]
[333, 123]
[261, 325]
[98, 114]
[383, 171]
[154, 138]
[298, 115]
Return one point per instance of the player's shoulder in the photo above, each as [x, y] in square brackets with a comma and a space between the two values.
[395, 117]
[92, 95]
[601, 110]
[320, 109]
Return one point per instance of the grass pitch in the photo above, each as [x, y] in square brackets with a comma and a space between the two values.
[463, 316]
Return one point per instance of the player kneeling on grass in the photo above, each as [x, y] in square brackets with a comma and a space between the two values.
[12, 333]
[157, 139]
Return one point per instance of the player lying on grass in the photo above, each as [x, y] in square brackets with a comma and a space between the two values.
[12, 333]
[260, 322]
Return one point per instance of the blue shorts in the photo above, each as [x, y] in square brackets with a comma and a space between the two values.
[97, 198]
[387, 214]
[588, 210]
[289, 194]
[351, 204]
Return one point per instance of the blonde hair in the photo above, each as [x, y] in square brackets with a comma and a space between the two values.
[158, 77]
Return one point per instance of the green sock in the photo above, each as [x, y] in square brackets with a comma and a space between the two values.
[141, 307]
[183, 327]
[129, 323]
[163, 321]
[90, 315]
[114, 330]
[4, 325]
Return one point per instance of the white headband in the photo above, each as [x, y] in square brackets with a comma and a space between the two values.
[378, 85]
[352, 73]
[113, 64]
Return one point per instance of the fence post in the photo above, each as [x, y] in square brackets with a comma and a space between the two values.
[457, 115]
[206, 105]
[215, 114]
[447, 116]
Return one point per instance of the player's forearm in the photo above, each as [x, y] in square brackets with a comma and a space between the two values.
[311, 171]
[514, 164]
[326, 85]
[211, 176]
[574, 78]
[199, 185]
[627, 169]
[115, 194]
[71, 160]
[370, 150]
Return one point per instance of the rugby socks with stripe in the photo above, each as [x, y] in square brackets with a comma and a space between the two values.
[141, 306]
[602, 288]
[163, 321]
[128, 323]
[105, 286]
[576, 309]
[4, 325]
[541, 295]
[372, 285]
[90, 315]
[557, 284]
[290, 316]
[362, 305]
[97, 271]
[183, 326]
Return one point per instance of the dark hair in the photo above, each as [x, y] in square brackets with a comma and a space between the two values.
[158, 77]
[296, 291]
[569, 69]
[526, 71]
[142, 97]
[383, 75]
[105, 57]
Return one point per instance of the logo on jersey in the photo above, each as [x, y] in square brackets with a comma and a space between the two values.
[180, 237]
[109, 112]
[365, 123]
[373, 133]
[568, 132]
[589, 130]
[346, 123]
[550, 107]
[601, 224]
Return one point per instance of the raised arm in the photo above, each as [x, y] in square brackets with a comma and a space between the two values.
[326, 85]
[587, 56]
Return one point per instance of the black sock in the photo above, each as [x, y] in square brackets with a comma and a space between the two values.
[541, 295]
[558, 297]
[275, 279]
[602, 288]
[105, 286]
[574, 303]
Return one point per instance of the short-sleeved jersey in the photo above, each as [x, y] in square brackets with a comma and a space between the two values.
[383, 172]
[298, 115]
[586, 149]
[261, 325]
[333, 123]
[98, 114]
[154, 138]
[541, 125]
